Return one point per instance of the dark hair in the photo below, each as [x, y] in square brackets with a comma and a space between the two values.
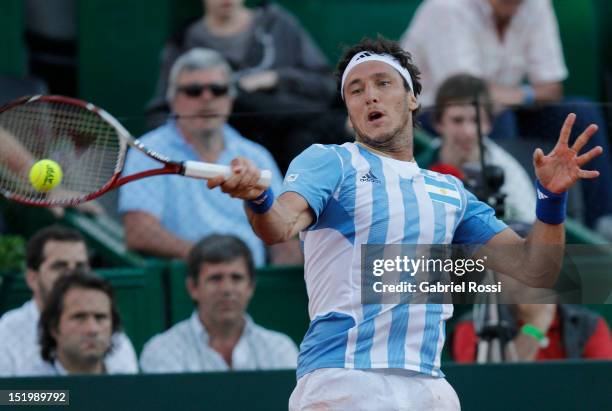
[462, 89]
[51, 314]
[381, 45]
[36, 244]
[217, 248]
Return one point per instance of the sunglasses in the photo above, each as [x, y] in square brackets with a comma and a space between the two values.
[196, 90]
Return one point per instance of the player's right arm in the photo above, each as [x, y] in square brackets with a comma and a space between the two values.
[311, 181]
[289, 214]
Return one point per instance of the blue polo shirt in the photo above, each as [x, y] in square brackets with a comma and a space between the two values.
[185, 206]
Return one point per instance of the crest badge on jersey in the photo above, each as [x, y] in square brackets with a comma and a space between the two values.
[291, 178]
[442, 192]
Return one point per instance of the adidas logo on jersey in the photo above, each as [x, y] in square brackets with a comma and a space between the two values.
[369, 177]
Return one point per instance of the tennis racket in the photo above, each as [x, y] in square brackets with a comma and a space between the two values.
[89, 145]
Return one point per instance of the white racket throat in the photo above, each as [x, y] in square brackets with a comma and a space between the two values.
[196, 169]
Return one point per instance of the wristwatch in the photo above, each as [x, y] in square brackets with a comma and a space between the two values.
[536, 333]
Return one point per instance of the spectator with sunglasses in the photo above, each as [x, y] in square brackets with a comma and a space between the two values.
[165, 215]
[285, 85]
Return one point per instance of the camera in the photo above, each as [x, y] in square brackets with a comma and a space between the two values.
[485, 183]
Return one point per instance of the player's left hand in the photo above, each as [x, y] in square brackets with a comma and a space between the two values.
[561, 168]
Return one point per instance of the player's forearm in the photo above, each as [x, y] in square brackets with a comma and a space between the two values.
[534, 261]
[275, 226]
[542, 254]
[284, 219]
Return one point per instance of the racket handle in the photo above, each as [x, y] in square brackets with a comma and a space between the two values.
[198, 169]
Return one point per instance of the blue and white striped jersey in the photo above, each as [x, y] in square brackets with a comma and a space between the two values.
[358, 198]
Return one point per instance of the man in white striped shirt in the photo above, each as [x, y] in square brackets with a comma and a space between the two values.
[219, 335]
[387, 356]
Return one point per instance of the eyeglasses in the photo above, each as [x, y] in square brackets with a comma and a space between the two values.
[196, 90]
[64, 267]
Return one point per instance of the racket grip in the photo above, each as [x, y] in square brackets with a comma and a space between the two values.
[198, 169]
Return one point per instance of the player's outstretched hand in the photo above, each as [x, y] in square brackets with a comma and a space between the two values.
[561, 168]
[243, 182]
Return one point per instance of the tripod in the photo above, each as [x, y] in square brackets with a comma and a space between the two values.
[495, 343]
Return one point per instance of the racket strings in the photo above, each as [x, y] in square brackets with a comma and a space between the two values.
[86, 147]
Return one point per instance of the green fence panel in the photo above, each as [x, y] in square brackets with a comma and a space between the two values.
[12, 46]
[605, 310]
[105, 238]
[577, 233]
[140, 299]
[337, 23]
[569, 385]
[557, 386]
[280, 301]
[578, 26]
[139, 293]
[604, 15]
[24, 220]
[104, 235]
[180, 301]
[13, 291]
[119, 46]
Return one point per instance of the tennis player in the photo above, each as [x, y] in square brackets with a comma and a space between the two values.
[374, 356]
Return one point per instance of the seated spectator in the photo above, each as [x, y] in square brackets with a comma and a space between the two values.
[219, 335]
[514, 45]
[164, 215]
[284, 82]
[51, 253]
[76, 326]
[454, 118]
[541, 332]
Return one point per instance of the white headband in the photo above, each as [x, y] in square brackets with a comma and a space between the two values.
[364, 56]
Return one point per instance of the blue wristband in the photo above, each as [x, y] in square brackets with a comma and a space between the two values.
[263, 203]
[550, 207]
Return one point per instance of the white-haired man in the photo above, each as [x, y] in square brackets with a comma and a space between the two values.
[164, 216]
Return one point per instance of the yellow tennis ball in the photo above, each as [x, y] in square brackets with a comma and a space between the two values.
[45, 175]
